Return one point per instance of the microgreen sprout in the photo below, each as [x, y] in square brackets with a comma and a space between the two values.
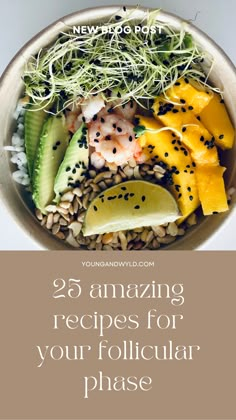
[139, 130]
[137, 65]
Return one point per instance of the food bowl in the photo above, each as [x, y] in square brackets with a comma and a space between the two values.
[223, 75]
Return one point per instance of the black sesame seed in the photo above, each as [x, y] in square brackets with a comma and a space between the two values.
[191, 198]
[184, 129]
[123, 188]
[102, 120]
[186, 171]
[97, 134]
[114, 125]
[77, 165]
[202, 138]
[120, 196]
[198, 118]
[173, 142]
[54, 148]
[177, 84]
[119, 129]
[186, 80]
[74, 171]
[187, 166]
[130, 138]
[114, 151]
[190, 108]
[83, 119]
[194, 165]
[131, 194]
[143, 198]
[137, 207]
[95, 208]
[185, 153]
[182, 101]
[191, 172]
[68, 169]
[189, 189]
[96, 141]
[108, 138]
[58, 143]
[126, 196]
[95, 117]
[221, 136]
[180, 195]
[222, 101]
[175, 111]
[215, 212]
[176, 148]
[177, 172]
[173, 134]
[117, 17]
[166, 154]
[183, 109]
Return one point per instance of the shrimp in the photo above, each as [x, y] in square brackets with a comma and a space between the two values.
[113, 139]
[73, 120]
[91, 106]
[127, 110]
[83, 110]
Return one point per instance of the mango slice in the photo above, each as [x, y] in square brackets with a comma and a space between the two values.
[185, 93]
[216, 119]
[194, 135]
[211, 189]
[166, 147]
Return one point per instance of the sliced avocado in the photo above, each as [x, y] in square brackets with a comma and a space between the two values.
[51, 150]
[74, 164]
[34, 121]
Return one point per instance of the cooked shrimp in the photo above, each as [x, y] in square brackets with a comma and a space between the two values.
[127, 110]
[73, 120]
[91, 106]
[97, 160]
[113, 139]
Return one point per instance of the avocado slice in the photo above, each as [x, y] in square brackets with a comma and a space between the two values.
[33, 121]
[51, 150]
[74, 164]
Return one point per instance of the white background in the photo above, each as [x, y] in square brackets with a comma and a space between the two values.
[21, 19]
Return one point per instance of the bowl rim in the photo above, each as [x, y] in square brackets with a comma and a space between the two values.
[107, 11]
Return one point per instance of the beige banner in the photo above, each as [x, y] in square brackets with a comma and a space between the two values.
[99, 335]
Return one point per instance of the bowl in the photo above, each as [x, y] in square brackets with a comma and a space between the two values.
[223, 75]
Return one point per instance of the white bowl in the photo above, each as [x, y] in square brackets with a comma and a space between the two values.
[223, 75]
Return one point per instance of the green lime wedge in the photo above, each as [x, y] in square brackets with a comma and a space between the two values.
[130, 205]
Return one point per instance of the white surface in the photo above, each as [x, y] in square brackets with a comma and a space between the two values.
[21, 19]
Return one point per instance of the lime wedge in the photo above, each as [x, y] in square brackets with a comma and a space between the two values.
[130, 205]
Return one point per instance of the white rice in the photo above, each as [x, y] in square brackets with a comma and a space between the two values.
[17, 149]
